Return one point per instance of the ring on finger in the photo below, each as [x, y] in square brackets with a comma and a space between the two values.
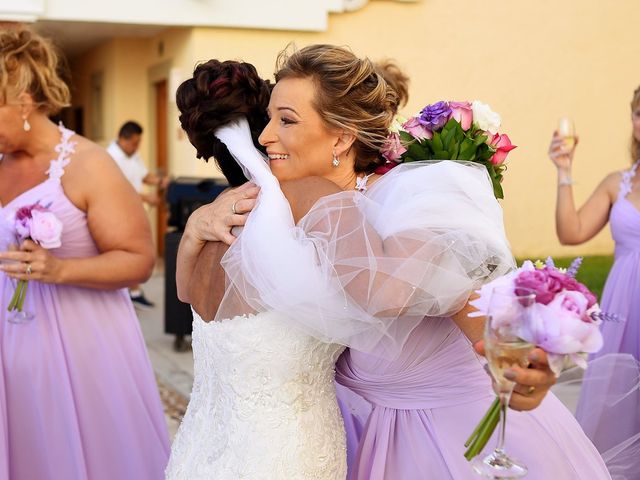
[28, 269]
[531, 390]
[233, 208]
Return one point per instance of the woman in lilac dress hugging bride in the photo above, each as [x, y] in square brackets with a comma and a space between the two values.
[422, 401]
[78, 399]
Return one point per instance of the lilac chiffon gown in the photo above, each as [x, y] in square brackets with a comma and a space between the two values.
[78, 398]
[424, 405]
[609, 404]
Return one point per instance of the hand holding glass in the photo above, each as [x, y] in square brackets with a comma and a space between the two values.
[508, 315]
[567, 130]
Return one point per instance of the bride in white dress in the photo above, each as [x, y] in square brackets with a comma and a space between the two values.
[300, 287]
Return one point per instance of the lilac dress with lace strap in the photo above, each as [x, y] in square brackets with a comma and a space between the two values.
[78, 398]
[609, 404]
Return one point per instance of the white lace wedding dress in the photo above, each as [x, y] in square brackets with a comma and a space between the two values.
[354, 272]
[263, 405]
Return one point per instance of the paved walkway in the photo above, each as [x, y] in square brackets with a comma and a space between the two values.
[174, 370]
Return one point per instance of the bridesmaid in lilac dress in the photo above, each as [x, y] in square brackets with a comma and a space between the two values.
[78, 398]
[609, 404]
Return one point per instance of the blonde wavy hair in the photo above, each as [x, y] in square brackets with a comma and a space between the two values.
[352, 94]
[635, 144]
[29, 64]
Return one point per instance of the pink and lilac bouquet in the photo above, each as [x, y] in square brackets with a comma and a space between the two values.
[564, 321]
[33, 222]
[450, 131]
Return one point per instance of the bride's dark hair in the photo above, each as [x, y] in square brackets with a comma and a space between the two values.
[219, 93]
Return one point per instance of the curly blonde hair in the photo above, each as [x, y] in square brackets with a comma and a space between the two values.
[635, 144]
[352, 94]
[29, 64]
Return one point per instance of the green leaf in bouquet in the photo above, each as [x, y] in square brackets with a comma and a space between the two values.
[447, 137]
[467, 149]
[442, 155]
[480, 139]
[484, 152]
[496, 178]
[406, 138]
[436, 142]
[453, 150]
[418, 150]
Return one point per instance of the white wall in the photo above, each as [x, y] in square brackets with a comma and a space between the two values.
[273, 14]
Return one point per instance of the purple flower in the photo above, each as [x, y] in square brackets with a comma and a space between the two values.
[575, 266]
[435, 116]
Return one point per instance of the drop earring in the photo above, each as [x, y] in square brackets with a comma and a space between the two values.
[26, 125]
[336, 161]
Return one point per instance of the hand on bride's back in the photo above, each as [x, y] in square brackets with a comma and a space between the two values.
[214, 221]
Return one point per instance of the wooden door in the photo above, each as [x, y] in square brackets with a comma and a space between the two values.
[161, 159]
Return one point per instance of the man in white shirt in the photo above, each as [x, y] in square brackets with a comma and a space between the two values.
[124, 152]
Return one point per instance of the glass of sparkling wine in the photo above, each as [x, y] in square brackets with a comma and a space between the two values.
[508, 314]
[567, 130]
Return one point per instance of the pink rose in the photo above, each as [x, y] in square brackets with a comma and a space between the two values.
[387, 167]
[503, 146]
[26, 212]
[22, 219]
[572, 284]
[416, 129]
[45, 229]
[559, 327]
[463, 113]
[393, 149]
[542, 281]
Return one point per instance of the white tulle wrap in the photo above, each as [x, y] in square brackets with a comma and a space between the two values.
[363, 269]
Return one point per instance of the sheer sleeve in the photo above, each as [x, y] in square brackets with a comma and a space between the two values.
[364, 270]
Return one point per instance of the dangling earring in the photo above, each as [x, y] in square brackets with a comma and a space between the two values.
[26, 125]
[336, 160]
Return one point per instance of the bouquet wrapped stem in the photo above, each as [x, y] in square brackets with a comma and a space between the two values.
[17, 301]
[483, 431]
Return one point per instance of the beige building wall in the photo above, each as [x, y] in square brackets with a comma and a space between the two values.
[532, 62]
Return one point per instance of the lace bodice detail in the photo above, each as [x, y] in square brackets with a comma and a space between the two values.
[263, 405]
[64, 150]
[626, 184]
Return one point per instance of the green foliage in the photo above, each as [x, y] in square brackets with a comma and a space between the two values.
[453, 143]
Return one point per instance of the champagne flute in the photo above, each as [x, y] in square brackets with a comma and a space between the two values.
[567, 130]
[507, 318]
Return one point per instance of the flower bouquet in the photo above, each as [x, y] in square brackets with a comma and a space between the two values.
[564, 321]
[450, 131]
[33, 222]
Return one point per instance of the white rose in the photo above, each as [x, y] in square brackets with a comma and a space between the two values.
[484, 118]
[46, 229]
[396, 124]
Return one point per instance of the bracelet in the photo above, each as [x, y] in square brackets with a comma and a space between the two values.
[567, 181]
